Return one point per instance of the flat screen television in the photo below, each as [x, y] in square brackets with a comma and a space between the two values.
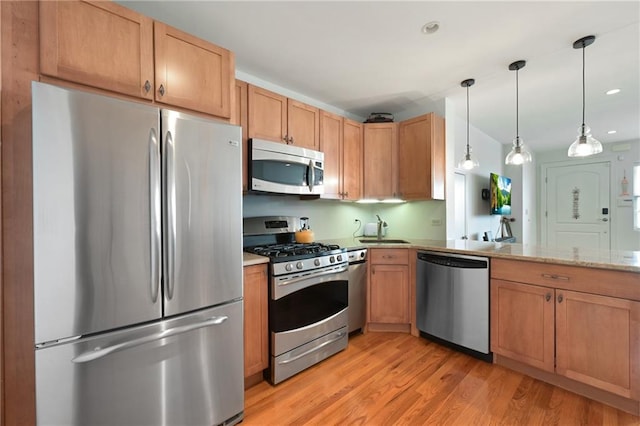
[500, 187]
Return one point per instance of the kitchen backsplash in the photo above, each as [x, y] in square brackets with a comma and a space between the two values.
[335, 219]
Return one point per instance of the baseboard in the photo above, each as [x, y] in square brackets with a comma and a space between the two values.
[401, 328]
[253, 380]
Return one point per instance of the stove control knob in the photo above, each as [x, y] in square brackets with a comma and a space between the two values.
[339, 258]
[299, 265]
[316, 262]
[289, 267]
[332, 259]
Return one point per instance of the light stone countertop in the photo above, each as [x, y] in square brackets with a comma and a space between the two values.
[249, 259]
[603, 259]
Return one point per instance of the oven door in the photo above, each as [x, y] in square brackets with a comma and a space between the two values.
[309, 307]
[285, 169]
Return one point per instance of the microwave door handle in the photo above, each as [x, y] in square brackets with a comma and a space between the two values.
[313, 175]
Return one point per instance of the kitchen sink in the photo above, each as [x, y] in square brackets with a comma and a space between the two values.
[383, 241]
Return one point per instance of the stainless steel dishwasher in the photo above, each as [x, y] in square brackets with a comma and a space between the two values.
[357, 288]
[452, 301]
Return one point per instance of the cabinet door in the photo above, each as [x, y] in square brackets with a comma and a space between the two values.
[267, 115]
[352, 140]
[331, 145]
[389, 294]
[421, 158]
[303, 125]
[522, 323]
[192, 73]
[380, 160]
[256, 356]
[100, 44]
[598, 341]
[240, 118]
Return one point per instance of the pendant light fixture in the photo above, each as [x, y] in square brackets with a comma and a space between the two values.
[518, 154]
[467, 162]
[585, 145]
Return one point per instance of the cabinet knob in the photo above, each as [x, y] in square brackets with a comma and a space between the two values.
[147, 86]
[346, 194]
[285, 139]
[291, 140]
[547, 297]
[161, 90]
[560, 298]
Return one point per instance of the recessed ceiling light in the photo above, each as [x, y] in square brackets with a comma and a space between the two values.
[613, 91]
[611, 132]
[430, 27]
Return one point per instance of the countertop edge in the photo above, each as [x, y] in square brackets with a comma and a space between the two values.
[571, 257]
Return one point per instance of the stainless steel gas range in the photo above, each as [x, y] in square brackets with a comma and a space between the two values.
[308, 295]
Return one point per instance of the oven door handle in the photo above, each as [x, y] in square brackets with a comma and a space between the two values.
[339, 336]
[314, 275]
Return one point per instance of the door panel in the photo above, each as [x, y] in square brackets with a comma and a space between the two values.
[92, 212]
[203, 213]
[576, 197]
[588, 327]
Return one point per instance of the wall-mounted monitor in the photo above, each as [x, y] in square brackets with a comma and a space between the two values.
[500, 187]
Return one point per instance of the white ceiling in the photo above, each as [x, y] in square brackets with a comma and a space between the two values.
[363, 57]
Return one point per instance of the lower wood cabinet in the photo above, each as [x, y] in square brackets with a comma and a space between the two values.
[589, 338]
[256, 344]
[389, 287]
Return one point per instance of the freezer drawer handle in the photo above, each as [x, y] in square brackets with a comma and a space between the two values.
[312, 350]
[102, 352]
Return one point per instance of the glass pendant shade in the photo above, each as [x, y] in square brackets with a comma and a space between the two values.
[519, 154]
[585, 145]
[468, 163]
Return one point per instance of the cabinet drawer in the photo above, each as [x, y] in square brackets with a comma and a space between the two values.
[390, 256]
[620, 284]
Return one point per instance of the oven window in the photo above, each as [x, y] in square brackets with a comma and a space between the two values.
[284, 172]
[308, 306]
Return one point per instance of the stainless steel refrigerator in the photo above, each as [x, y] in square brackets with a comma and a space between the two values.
[137, 263]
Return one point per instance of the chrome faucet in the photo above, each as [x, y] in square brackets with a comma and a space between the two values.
[381, 223]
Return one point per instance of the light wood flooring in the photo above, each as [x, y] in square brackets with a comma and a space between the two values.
[398, 379]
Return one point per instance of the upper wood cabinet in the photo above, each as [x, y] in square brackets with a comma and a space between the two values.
[105, 45]
[380, 160]
[279, 119]
[421, 158]
[331, 144]
[352, 140]
[239, 117]
[192, 73]
[99, 44]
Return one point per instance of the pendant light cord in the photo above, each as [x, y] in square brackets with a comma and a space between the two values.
[517, 112]
[583, 88]
[468, 120]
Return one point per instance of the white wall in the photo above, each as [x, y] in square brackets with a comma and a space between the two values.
[523, 198]
[622, 155]
[488, 152]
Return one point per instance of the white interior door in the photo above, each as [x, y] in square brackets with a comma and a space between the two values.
[577, 206]
[460, 203]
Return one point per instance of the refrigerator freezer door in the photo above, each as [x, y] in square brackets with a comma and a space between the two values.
[96, 212]
[203, 212]
[183, 371]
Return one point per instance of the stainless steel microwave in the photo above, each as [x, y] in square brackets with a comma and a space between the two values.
[285, 169]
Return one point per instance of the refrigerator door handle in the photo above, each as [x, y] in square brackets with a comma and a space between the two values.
[99, 352]
[154, 207]
[170, 180]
